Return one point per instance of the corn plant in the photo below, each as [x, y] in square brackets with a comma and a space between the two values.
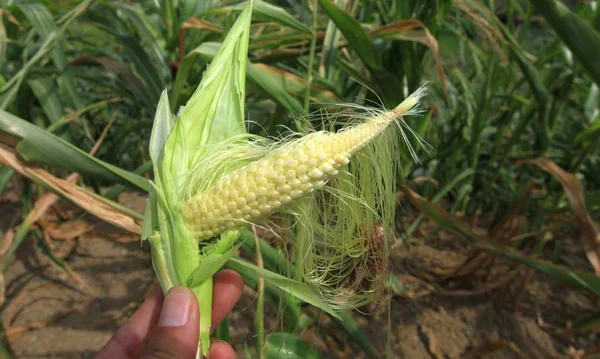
[211, 178]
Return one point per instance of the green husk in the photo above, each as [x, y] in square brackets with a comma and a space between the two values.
[214, 113]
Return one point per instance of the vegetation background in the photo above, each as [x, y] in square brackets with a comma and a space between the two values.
[498, 250]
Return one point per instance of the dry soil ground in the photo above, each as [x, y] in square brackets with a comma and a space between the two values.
[487, 314]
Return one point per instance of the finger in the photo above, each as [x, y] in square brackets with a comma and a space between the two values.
[221, 350]
[128, 341]
[228, 286]
[176, 332]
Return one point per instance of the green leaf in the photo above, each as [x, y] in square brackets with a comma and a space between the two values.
[146, 70]
[291, 310]
[208, 266]
[39, 146]
[295, 288]
[3, 45]
[276, 14]
[9, 90]
[579, 36]
[5, 176]
[391, 87]
[587, 135]
[591, 107]
[283, 87]
[43, 23]
[191, 8]
[152, 39]
[46, 92]
[288, 346]
[353, 32]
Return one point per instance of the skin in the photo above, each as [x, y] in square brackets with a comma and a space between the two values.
[166, 327]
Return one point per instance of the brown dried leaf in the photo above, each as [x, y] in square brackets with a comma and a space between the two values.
[2, 289]
[6, 241]
[590, 233]
[69, 230]
[194, 23]
[16, 331]
[416, 31]
[88, 201]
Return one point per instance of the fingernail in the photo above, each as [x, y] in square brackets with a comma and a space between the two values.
[176, 308]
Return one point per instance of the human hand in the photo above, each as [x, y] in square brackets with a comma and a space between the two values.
[167, 327]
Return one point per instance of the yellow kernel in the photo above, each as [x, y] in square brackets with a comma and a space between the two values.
[296, 193]
[326, 167]
[241, 201]
[290, 174]
[315, 174]
[301, 169]
[264, 208]
[285, 199]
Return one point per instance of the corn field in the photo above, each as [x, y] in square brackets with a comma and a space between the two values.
[391, 178]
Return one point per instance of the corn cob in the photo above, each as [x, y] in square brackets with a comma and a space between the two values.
[290, 172]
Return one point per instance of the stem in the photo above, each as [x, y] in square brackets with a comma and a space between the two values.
[204, 294]
[260, 303]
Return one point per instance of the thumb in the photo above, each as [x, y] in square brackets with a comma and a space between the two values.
[176, 333]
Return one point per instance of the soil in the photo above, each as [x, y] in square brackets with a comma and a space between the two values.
[491, 312]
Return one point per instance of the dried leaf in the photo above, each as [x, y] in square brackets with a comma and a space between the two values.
[6, 241]
[590, 233]
[194, 23]
[416, 31]
[69, 230]
[96, 205]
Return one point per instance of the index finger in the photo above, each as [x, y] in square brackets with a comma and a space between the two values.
[128, 342]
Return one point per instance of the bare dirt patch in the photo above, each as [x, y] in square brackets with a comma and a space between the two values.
[52, 316]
